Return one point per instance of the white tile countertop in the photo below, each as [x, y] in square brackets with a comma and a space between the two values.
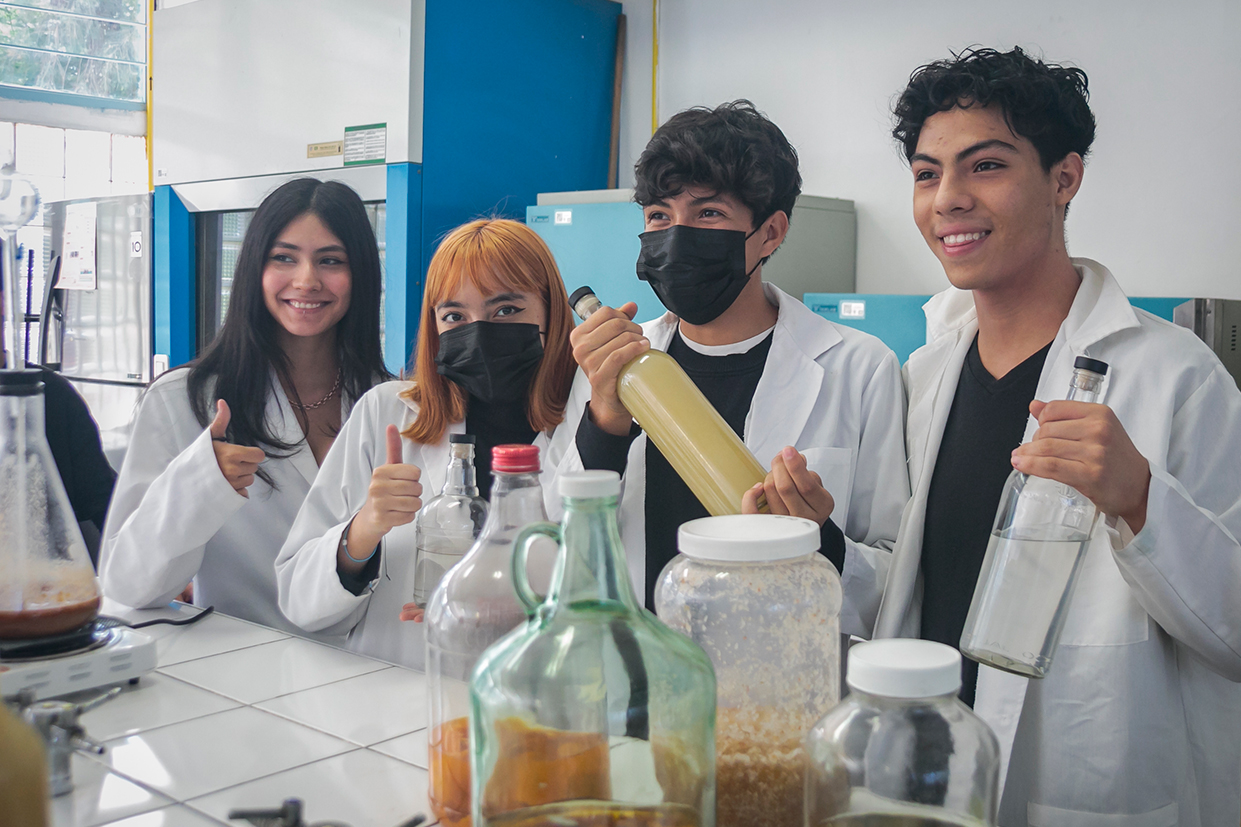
[237, 715]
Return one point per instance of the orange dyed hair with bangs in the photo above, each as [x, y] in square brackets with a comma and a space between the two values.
[495, 255]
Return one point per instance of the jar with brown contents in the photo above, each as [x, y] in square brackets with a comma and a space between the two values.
[753, 591]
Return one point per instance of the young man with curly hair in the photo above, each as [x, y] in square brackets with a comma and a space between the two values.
[819, 403]
[1138, 721]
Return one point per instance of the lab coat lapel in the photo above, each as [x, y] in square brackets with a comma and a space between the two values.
[285, 426]
[998, 700]
[1099, 310]
[789, 387]
[431, 459]
[930, 402]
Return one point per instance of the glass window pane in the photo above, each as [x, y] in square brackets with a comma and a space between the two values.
[134, 11]
[76, 75]
[40, 150]
[40, 29]
[233, 232]
[378, 215]
[129, 159]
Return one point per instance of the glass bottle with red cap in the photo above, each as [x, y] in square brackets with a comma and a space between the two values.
[474, 606]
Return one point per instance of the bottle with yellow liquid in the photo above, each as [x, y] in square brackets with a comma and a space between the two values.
[700, 446]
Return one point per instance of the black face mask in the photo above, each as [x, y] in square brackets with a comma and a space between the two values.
[491, 361]
[697, 272]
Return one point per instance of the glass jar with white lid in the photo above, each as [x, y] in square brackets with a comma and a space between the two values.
[902, 750]
[755, 594]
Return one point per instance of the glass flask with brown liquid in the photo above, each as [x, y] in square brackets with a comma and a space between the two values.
[902, 750]
[473, 606]
[594, 713]
[700, 446]
[47, 583]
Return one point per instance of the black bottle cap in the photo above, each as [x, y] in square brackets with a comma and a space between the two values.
[579, 294]
[457, 439]
[21, 382]
[1086, 363]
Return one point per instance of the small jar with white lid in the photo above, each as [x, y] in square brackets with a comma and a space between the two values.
[755, 594]
[902, 750]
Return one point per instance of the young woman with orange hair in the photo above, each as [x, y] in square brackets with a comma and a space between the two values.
[493, 359]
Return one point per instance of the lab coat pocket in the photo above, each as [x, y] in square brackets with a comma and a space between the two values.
[1040, 815]
[835, 467]
[1103, 611]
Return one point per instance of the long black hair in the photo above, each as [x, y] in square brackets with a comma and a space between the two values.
[237, 366]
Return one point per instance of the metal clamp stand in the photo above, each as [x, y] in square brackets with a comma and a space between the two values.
[57, 723]
[289, 814]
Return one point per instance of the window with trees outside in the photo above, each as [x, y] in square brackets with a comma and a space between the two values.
[73, 51]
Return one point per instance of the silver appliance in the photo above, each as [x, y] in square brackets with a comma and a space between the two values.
[1216, 322]
[100, 339]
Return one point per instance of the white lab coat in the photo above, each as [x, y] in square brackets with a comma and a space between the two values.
[310, 591]
[174, 517]
[833, 393]
[1139, 721]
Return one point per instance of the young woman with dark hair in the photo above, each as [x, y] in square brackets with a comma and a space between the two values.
[493, 359]
[225, 449]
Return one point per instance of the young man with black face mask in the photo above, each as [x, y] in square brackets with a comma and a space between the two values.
[820, 404]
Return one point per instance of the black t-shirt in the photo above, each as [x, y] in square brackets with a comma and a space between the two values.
[74, 439]
[728, 382]
[501, 423]
[986, 423]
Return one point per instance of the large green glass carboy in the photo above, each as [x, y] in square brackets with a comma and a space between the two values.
[593, 713]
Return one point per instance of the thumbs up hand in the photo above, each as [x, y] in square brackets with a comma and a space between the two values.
[392, 499]
[238, 463]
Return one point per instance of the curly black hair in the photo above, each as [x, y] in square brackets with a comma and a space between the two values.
[732, 149]
[1045, 103]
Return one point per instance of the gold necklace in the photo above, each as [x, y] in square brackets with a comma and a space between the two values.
[321, 402]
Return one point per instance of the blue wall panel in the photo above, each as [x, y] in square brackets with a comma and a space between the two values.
[173, 295]
[899, 321]
[404, 279]
[517, 101]
[598, 246]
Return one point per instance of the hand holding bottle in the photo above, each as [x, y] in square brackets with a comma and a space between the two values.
[791, 489]
[238, 463]
[393, 499]
[1083, 444]
[603, 344]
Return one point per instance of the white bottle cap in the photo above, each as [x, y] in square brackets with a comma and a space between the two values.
[903, 668]
[748, 538]
[585, 485]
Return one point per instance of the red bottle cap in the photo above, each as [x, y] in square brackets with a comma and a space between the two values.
[515, 459]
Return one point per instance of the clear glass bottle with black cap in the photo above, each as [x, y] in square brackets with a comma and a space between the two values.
[901, 750]
[594, 712]
[1041, 533]
[474, 606]
[449, 523]
[700, 446]
[47, 583]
